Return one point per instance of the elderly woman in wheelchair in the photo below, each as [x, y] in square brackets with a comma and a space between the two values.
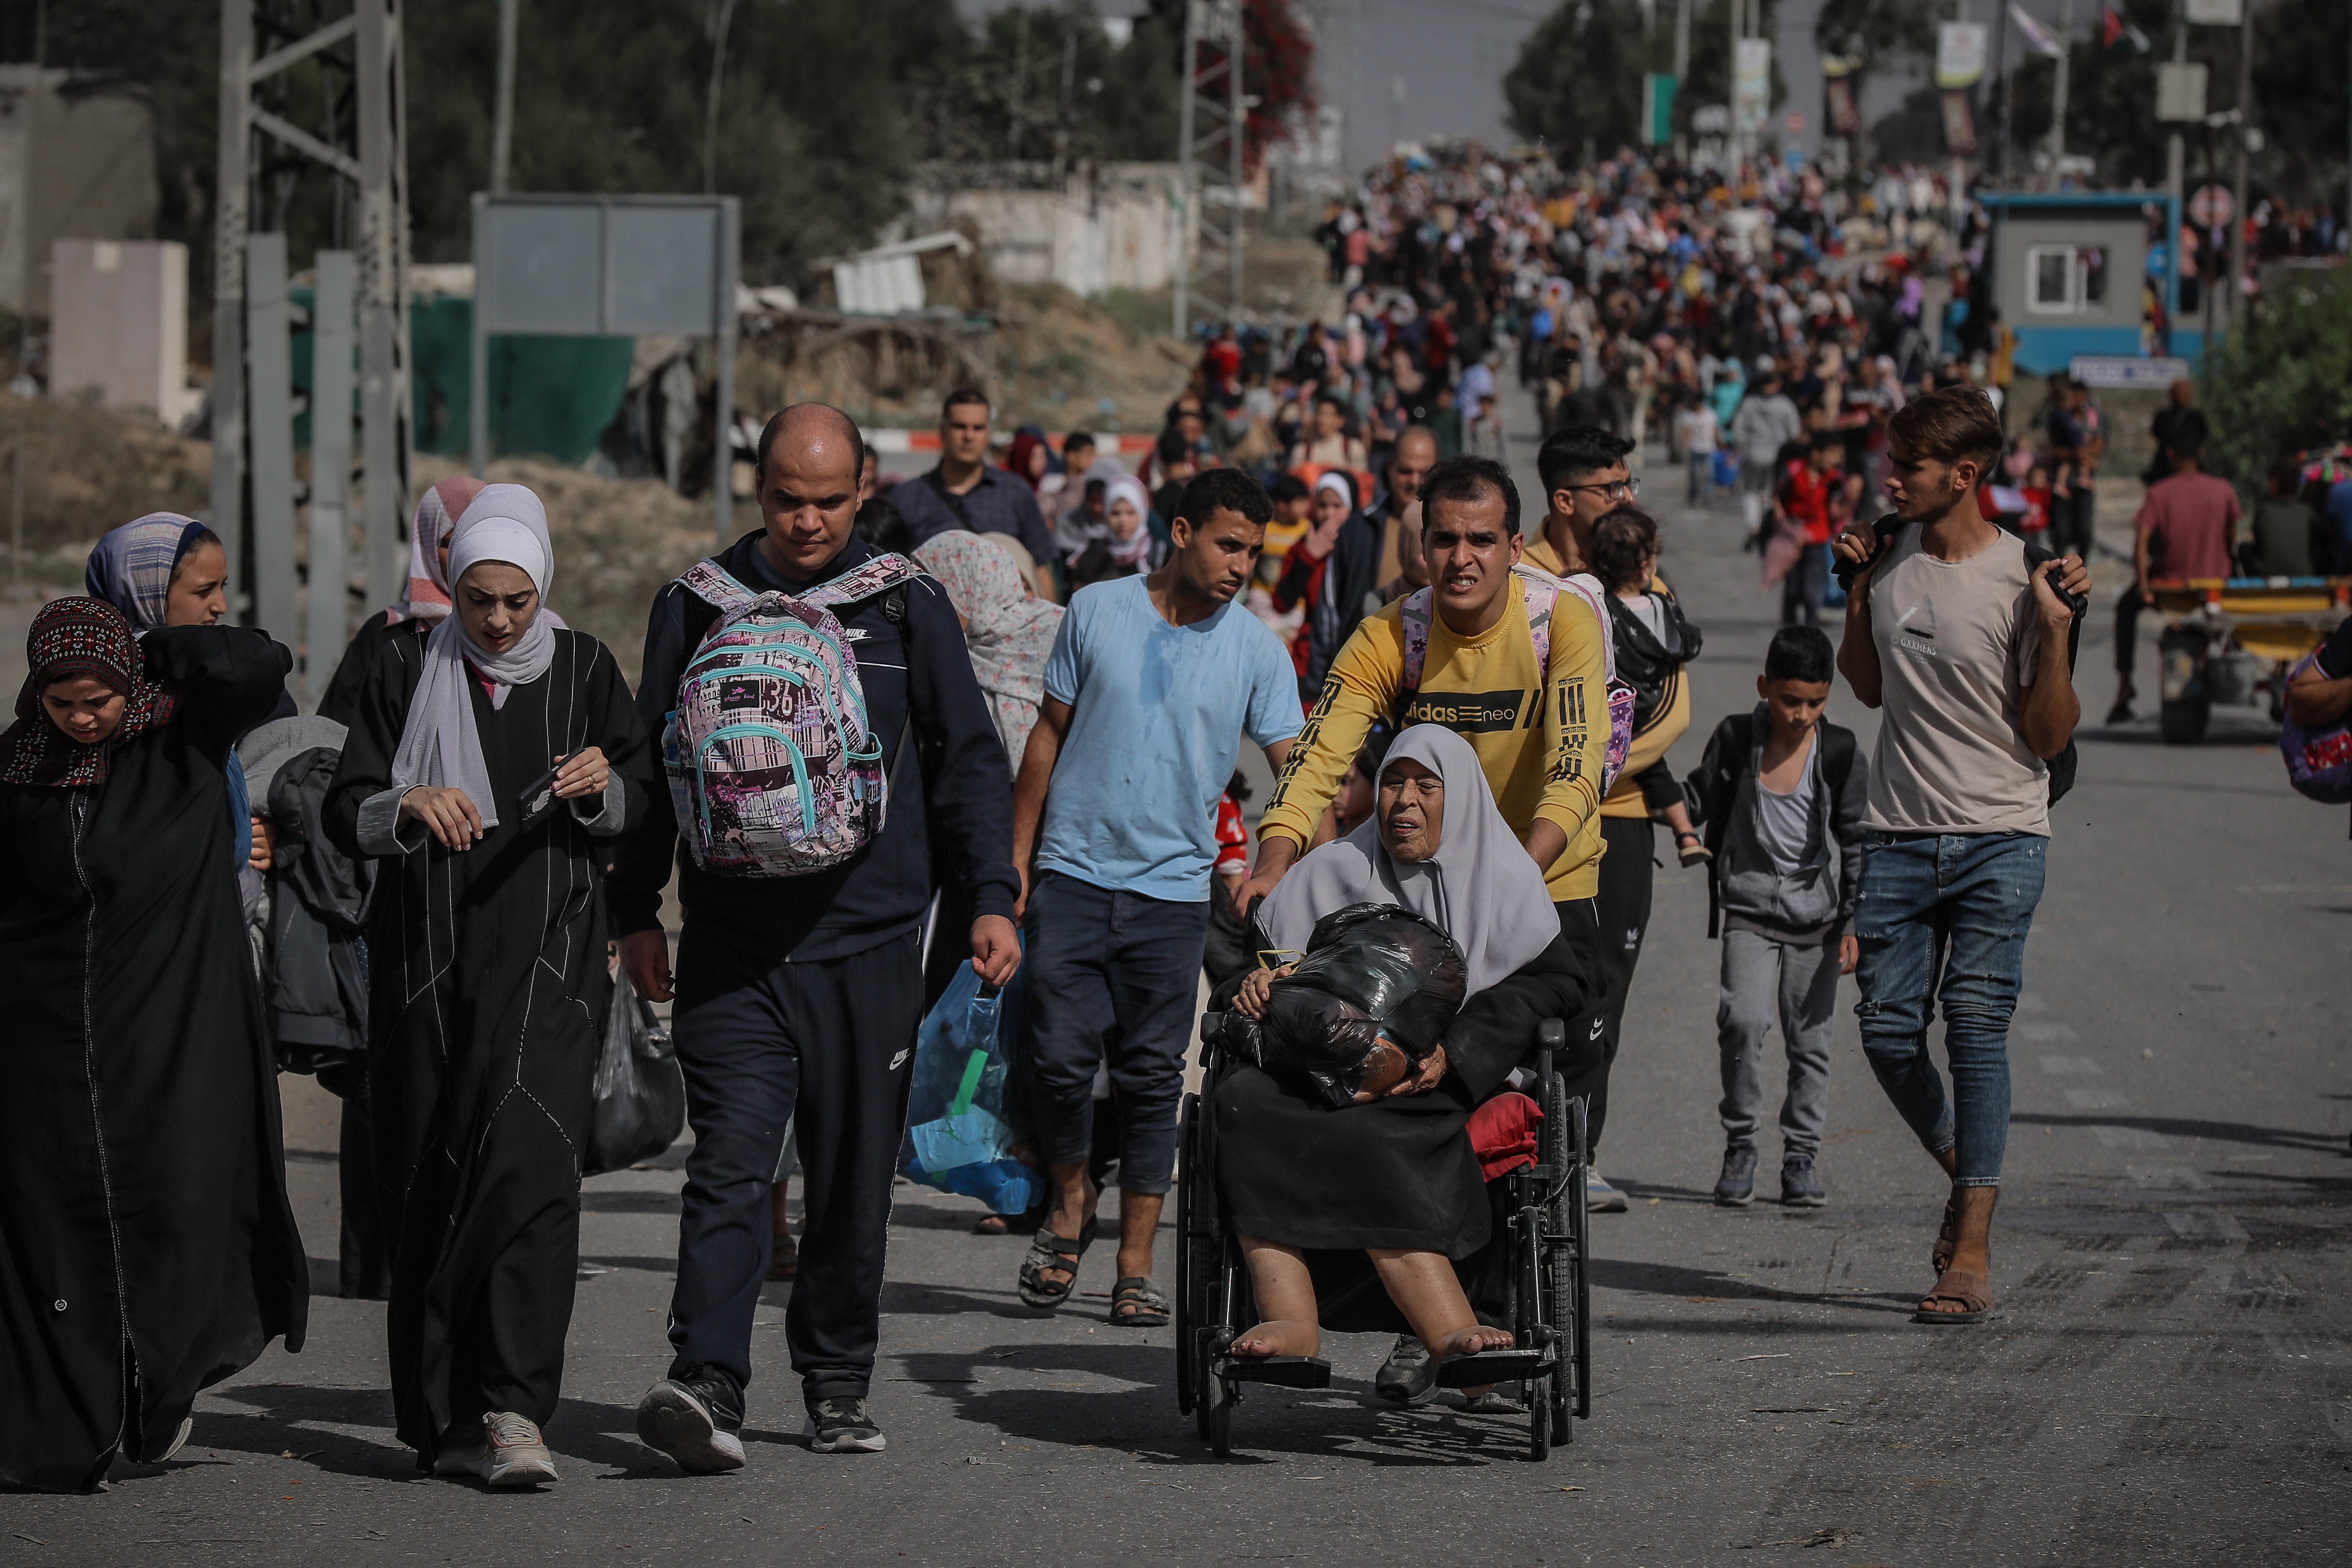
[1310, 1189]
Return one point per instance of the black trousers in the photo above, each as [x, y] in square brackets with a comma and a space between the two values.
[2128, 610]
[825, 1047]
[1607, 932]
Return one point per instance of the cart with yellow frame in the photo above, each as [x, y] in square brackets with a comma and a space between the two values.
[2226, 640]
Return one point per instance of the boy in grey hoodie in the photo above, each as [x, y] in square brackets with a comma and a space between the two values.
[1780, 793]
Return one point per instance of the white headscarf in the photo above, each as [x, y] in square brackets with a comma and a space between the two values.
[1480, 887]
[440, 745]
[1136, 549]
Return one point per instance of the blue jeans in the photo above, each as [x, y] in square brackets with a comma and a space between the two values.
[1944, 916]
[1112, 976]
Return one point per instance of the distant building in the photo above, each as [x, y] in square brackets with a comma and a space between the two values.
[78, 161]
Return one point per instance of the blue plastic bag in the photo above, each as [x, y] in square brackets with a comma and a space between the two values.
[1727, 469]
[967, 1114]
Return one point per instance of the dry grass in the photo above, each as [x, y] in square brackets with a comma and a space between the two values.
[86, 470]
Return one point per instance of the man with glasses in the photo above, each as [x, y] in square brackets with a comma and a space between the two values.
[1585, 480]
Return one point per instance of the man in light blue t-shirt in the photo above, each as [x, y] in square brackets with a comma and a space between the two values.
[1151, 684]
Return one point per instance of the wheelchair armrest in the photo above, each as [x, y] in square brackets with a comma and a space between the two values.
[1213, 1039]
[1551, 1036]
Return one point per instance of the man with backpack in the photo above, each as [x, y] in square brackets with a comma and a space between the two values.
[799, 982]
[1966, 647]
[1780, 793]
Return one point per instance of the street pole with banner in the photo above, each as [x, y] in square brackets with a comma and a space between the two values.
[1959, 66]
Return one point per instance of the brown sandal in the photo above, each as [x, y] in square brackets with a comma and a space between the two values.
[1948, 1238]
[1973, 1291]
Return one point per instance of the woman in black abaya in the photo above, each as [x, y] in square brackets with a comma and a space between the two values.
[490, 981]
[146, 1249]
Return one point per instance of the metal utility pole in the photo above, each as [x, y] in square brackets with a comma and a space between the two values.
[229, 202]
[1682, 70]
[725, 19]
[1210, 127]
[2243, 129]
[502, 115]
[2176, 151]
[369, 164]
[2058, 85]
[1737, 11]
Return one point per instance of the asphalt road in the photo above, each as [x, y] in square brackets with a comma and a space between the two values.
[2169, 1379]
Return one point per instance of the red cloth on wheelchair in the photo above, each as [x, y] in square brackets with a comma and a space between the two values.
[1503, 1133]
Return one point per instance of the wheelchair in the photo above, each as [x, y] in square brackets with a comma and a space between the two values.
[1538, 1252]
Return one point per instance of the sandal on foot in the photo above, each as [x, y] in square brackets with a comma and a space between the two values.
[1948, 1238]
[783, 1258]
[1059, 1253]
[1973, 1291]
[1692, 850]
[1145, 1307]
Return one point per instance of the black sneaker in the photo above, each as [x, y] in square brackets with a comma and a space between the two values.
[1800, 1188]
[697, 1420]
[842, 1426]
[1735, 1188]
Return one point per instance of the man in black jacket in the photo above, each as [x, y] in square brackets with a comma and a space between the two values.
[798, 997]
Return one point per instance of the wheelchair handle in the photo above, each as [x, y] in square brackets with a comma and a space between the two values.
[1551, 1036]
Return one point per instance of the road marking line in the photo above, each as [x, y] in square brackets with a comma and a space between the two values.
[2174, 1178]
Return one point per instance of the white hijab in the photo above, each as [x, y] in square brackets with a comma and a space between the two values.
[1480, 887]
[440, 745]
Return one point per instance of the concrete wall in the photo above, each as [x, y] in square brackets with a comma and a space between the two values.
[70, 165]
[1109, 229]
[119, 324]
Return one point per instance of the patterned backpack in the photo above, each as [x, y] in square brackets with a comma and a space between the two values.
[1541, 590]
[775, 768]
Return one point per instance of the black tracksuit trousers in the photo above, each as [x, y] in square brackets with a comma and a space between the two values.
[826, 1047]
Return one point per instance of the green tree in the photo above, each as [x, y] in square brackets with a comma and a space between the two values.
[1578, 77]
[1877, 36]
[2279, 387]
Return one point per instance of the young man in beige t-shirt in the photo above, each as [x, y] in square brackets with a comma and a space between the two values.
[1963, 646]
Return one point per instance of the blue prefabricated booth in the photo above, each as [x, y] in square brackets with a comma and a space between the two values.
[2068, 271]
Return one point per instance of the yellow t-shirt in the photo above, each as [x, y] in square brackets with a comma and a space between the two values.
[1650, 744]
[1539, 739]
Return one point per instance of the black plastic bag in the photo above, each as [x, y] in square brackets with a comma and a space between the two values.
[1371, 973]
[639, 1107]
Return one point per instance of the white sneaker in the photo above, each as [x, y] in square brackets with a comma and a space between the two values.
[1599, 1197]
[508, 1452]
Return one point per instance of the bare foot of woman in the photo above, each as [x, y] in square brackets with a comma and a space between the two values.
[1279, 1337]
[1470, 1342]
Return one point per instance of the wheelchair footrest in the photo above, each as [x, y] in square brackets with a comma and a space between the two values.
[1281, 1371]
[1493, 1366]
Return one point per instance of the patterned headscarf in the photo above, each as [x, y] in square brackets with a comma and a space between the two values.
[72, 637]
[132, 566]
[1007, 633]
[437, 512]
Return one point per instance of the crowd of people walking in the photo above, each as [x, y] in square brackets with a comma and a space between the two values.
[991, 717]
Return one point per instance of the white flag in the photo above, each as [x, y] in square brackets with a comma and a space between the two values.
[2037, 37]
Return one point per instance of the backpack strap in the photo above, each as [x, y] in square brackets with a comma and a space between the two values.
[718, 587]
[1837, 756]
[878, 575]
[1413, 615]
[1585, 586]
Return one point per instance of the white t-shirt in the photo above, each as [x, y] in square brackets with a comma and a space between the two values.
[1697, 429]
[1958, 642]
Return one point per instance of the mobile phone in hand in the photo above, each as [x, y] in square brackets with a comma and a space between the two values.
[539, 798]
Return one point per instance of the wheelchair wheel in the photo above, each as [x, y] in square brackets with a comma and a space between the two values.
[1580, 1222]
[1189, 1293]
[1561, 1257]
[1217, 1417]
